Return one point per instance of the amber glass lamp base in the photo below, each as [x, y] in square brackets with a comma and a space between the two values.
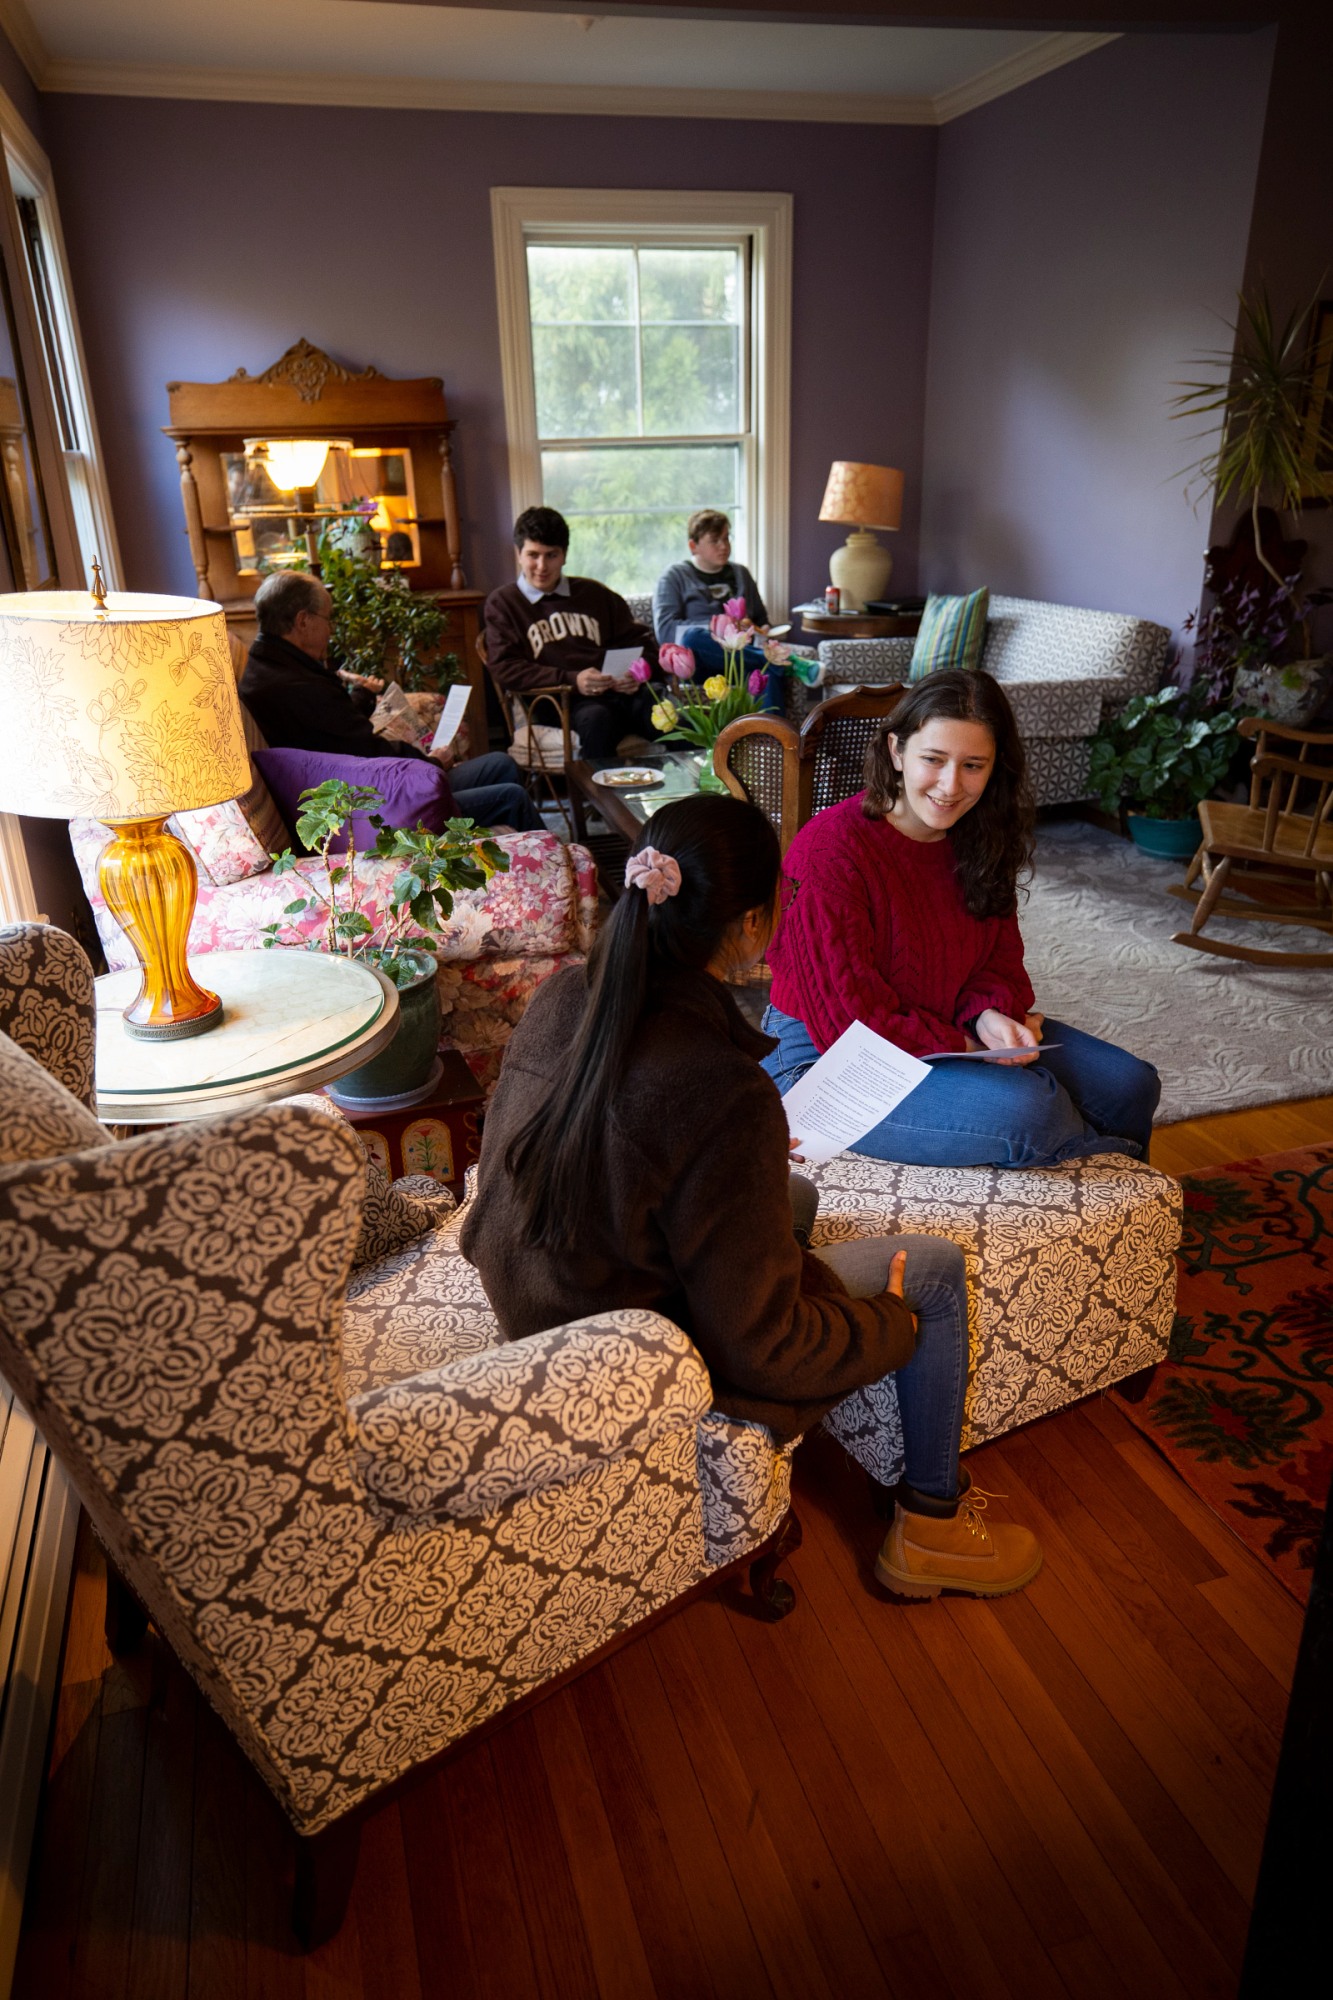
[148, 882]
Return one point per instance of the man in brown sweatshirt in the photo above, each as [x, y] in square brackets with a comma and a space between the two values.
[549, 628]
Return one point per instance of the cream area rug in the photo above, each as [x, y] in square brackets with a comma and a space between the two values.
[1097, 928]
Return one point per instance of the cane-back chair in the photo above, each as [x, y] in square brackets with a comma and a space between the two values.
[792, 774]
[544, 744]
[1270, 861]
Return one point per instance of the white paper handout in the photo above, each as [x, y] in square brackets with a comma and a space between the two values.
[455, 702]
[846, 1093]
[619, 659]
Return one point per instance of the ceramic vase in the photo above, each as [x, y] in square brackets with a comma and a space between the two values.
[408, 1065]
[1293, 694]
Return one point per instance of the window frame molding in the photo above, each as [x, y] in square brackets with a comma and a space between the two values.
[666, 213]
[23, 152]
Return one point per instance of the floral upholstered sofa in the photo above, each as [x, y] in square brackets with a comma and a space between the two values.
[1062, 668]
[500, 944]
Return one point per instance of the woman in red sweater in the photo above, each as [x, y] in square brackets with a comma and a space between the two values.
[904, 915]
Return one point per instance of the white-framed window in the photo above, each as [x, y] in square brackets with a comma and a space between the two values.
[645, 339]
[34, 230]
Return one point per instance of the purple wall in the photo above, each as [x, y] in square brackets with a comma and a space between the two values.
[204, 237]
[15, 80]
[1090, 237]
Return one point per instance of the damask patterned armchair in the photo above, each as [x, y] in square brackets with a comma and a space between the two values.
[364, 1523]
[1062, 668]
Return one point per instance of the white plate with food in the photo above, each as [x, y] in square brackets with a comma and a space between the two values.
[630, 778]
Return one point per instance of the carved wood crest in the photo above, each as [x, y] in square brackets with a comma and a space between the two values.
[306, 369]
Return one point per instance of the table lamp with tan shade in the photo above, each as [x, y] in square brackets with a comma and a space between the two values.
[864, 497]
[123, 708]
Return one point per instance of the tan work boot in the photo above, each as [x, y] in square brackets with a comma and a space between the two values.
[955, 1549]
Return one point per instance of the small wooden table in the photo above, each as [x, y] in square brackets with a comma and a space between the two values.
[291, 1021]
[860, 624]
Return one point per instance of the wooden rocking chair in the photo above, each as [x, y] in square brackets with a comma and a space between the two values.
[1280, 843]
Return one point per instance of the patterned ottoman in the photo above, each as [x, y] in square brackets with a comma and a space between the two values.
[1071, 1269]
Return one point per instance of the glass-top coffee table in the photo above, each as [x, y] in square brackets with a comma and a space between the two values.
[626, 809]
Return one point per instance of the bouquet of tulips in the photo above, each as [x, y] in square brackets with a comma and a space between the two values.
[690, 712]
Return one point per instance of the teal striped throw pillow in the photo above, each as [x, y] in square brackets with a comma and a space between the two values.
[952, 632]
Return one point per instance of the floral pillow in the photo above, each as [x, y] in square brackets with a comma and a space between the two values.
[223, 842]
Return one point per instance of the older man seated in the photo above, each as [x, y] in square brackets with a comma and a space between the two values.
[301, 702]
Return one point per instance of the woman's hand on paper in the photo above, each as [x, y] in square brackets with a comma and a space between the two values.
[1000, 1031]
[796, 1158]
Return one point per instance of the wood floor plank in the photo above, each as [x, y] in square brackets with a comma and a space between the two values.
[1232, 1597]
[676, 1960]
[735, 1799]
[978, 1923]
[217, 1875]
[797, 1825]
[561, 1957]
[44, 1966]
[160, 1943]
[383, 1907]
[1151, 1707]
[1121, 1517]
[720, 1918]
[274, 1967]
[494, 1932]
[605, 1900]
[883, 1905]
[102, 1955]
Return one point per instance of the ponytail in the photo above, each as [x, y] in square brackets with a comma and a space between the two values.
[728, 860]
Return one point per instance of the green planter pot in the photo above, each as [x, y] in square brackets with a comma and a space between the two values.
[1176, 838]
[407, 1068]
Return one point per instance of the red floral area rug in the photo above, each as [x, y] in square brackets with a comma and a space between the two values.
[1243, 1408]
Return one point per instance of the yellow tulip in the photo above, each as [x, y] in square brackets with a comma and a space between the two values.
[715, 687]
[664, 715]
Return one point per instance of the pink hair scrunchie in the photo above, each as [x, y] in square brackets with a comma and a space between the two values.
[657, 874]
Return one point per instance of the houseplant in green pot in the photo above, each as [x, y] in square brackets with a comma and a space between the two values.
[1270, 432]
[1158, 758]
[394, 935]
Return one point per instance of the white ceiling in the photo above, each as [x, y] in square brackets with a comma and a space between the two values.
[355, 52]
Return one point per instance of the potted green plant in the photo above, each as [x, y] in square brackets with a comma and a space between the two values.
[1268, 448]
[381, 627]
[397, 937]
[1158, 758]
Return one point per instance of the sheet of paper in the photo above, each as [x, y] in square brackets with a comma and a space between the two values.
[619, 659]
[455, 702]
[846, 1093]
[981, 1055]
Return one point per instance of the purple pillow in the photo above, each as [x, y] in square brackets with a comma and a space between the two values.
[415, 793]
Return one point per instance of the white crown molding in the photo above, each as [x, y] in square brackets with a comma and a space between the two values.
[29, 47]
[1053, 52]
[823, 107]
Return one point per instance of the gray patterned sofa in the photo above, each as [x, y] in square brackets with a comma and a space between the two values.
[363, 1522]
[1062, 668]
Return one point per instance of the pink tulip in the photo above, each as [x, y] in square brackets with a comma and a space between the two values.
[677, 660]
[640, 670]
[758, 681]
[726, 633]
[735, 608]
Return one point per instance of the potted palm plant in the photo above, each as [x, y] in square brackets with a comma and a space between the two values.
[394, 935]
[1269, 434]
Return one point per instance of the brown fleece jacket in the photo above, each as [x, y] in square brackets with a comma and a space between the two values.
[543, 644]
[691, 1217]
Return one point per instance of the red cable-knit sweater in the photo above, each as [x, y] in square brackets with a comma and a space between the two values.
[878, 933]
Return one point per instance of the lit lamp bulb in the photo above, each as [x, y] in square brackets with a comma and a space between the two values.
[294, 463]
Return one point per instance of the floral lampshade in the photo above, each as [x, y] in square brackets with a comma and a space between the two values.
[863, 496]
[122, 713]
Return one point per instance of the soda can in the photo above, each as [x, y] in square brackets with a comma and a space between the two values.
[833, 598]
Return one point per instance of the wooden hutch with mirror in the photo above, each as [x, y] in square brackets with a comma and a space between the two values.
[270, 463]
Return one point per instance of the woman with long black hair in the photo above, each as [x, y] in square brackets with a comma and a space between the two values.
[635, 1155]
[905, 916]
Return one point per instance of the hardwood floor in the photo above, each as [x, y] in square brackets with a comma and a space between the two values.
[1061, 1793]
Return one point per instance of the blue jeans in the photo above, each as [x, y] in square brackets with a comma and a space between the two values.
[491, 791]
[1086, 1097]
[932, 1385]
